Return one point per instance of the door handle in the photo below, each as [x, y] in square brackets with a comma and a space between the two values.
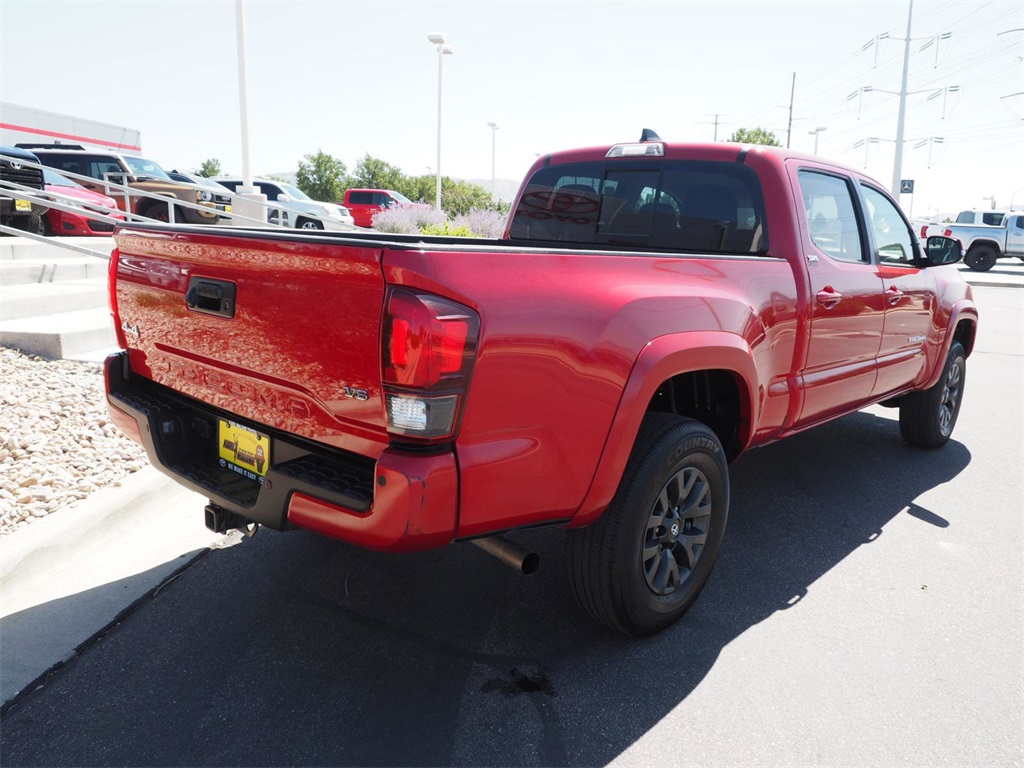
[828, 297]
[893, 295]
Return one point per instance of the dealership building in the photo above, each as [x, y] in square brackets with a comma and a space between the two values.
[25, 125]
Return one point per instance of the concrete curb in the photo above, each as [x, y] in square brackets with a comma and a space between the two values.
[70, 575]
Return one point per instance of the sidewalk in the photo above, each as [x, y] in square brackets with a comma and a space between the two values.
[106, 553]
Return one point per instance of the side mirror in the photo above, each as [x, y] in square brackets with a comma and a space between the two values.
[941, 250]
[283, 198]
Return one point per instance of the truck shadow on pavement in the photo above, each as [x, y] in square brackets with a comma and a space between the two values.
[296, 650]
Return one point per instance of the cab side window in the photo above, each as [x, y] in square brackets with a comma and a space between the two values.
[892, 238]
[831, 215]
[99, 167]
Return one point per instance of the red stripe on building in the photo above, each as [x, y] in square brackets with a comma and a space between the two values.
[56, 135]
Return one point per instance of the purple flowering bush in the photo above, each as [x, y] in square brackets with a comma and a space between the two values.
[482, 223]
[476, 222]
[407, 220]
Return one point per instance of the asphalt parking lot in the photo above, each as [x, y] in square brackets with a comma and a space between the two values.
[867, 609]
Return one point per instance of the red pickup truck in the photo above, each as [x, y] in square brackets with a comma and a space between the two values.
[653, 311]
[364, 203]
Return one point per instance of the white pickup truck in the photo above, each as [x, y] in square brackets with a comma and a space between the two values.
[986, 236]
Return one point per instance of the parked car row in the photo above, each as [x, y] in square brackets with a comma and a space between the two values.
[183, 197]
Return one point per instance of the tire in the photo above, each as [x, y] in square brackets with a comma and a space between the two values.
[32, 224]
[981, 258]
[927, 418]
[158, 211]
[309, 224]
[621, 567]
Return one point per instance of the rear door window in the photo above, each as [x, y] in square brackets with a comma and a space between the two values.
[831, 215]
[679, 205]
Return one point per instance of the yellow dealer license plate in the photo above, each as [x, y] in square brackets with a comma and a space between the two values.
[227, 209]
[243, 450]
[22, 205]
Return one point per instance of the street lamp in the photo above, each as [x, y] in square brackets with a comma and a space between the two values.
[442, 51]
[494, 133]
[815, 133]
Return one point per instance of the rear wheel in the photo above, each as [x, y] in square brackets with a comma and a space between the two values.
[981, 258]
[641, 566]
[927, 418]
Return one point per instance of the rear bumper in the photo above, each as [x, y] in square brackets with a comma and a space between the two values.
[400, 502]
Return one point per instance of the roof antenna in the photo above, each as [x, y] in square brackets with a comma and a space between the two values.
[649, 135]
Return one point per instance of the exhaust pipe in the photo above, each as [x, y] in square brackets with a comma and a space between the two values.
[510, 553]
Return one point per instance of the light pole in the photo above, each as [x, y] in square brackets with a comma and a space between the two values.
[247, 202]
[442, 51]
[494, 133]
[815, 133]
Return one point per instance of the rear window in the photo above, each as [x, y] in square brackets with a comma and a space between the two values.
[360, 198]
[680, 205]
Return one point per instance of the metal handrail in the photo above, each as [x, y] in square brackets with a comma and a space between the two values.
[170, 201]
[43, 198]
[173, 201]
[49, 241]
[51, 199]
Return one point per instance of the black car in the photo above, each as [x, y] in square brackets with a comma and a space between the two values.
[15, 210]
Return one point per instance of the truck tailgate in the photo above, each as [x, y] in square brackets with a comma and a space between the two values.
[280, 331]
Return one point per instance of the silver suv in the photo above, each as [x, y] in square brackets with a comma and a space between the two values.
[294, 208]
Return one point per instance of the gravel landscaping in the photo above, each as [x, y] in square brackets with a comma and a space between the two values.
[57, 444]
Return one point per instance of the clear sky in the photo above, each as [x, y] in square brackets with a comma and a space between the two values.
[360, 77]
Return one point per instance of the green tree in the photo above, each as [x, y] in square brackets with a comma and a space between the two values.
[322, 177]
[209, 168]
[374, 173]
[755, 136]
[418, 188]
[459, 197]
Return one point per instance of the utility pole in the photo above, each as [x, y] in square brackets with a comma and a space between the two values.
[789, 128]
[715, 123]
[897, 165]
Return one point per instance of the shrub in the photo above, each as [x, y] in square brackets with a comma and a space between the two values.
[407, 221]
[447, 230]
[481, 222]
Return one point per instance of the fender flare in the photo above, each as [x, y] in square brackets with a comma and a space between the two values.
[660, 360]
[983, 241]
[964, 309]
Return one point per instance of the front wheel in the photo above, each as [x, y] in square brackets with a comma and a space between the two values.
[31, 224]
[641, 566]
[981, 258]
[927, 418]
[310, 224]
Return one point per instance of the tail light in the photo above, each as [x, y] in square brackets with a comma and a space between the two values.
[948, 233]
[924, 231]
[115, 256]
[428, 355]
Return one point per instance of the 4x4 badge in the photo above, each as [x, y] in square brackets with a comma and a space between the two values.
[130, 330]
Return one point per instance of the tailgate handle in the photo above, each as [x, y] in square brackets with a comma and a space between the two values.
[211, 297]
